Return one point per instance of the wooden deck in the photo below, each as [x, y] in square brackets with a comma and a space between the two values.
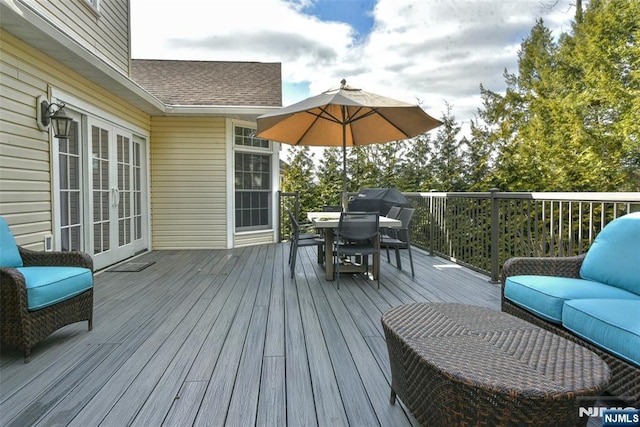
[226, 337]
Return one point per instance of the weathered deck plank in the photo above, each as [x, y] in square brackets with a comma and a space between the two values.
[227, 337]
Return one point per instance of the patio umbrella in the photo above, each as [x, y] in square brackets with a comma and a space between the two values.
[345, 117]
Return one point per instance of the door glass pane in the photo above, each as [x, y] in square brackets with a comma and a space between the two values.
[101, 190]
[137, 189]
[69, 181]
[125, 223]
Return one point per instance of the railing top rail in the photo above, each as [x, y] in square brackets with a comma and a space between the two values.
[555, 196]
[478, 195]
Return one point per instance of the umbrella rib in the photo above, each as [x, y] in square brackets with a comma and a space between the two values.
[373, 110]
[324, 115]
[391, 123]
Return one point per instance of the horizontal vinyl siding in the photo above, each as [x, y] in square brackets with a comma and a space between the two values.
[25, 157]
[105, 34]
[188, 195]
[253, 238]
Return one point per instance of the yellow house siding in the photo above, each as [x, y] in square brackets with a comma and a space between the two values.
[253, 238]
[188, 196]
[105, 34]
[25, 157]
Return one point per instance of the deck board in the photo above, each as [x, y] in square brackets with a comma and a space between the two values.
[227, 337]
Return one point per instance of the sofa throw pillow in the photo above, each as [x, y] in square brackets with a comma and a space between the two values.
[614, 256]
[9, 254]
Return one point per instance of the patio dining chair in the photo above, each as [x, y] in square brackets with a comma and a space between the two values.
[400, 238]
[297, 241]
[304, 232]
[358, 236]
[393, 213]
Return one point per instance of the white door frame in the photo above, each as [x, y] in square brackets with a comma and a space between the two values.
[87, 116]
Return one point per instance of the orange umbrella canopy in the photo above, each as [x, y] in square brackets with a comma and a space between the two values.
[345, 117]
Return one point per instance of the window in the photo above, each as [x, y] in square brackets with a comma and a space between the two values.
[252, 172]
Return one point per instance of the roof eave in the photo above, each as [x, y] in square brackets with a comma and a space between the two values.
[249, 113]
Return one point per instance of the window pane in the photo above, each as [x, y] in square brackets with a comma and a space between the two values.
[253, 185]
[69, 190]
[64, 181]
[246, 137]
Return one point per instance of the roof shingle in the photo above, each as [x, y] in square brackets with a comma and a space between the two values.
[219, 83]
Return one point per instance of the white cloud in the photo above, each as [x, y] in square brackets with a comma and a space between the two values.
[431, 50]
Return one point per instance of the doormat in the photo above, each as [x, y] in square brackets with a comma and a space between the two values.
[131, 267]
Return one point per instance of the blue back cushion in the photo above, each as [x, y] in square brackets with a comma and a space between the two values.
[9, 255]
[614, 256]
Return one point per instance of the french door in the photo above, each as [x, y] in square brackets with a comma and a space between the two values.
[101, 191]
[115, 193]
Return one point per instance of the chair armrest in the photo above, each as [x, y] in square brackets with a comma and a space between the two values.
[14, 292]
[63, 259]
[542, 266]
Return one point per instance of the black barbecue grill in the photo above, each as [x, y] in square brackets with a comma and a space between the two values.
[378, 200]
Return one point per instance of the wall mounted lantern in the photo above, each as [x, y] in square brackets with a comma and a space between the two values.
[53, 114]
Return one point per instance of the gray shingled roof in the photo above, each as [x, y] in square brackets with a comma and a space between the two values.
[219, 83]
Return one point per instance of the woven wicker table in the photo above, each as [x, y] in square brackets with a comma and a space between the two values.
[455, 364]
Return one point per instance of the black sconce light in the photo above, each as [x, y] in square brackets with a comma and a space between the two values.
[53, 114]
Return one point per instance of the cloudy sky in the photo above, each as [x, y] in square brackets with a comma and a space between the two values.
[419, 51]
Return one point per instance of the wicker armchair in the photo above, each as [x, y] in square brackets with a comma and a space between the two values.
[22, 328]
[625, 377]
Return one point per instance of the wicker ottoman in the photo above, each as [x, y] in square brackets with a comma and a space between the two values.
[455, 364]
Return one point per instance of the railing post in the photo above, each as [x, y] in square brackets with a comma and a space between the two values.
[495, 236]
[279, 213]
[431, 225]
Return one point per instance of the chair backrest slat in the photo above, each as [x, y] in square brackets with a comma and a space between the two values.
[406, 215]
[358, 225]
[394, 212]
[295, 227]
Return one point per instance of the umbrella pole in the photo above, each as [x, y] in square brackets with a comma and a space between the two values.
[345, 199]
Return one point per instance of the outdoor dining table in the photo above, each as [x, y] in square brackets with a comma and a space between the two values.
[328, 223]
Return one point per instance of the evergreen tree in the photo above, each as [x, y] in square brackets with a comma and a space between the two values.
[299, 177]
[478, 168]
[415, 173]
[329, 173]
[447, 161]
[363, 170]
[385, 159]
[568, 119]
[605, 48]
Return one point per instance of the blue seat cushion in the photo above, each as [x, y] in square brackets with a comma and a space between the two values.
[612, 324]
[9, 254]
[50, 285]
[614, 256]
[545, 295]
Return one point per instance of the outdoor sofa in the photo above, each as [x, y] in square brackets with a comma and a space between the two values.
[592, 299]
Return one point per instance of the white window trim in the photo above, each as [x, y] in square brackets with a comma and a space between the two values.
[273, 151]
